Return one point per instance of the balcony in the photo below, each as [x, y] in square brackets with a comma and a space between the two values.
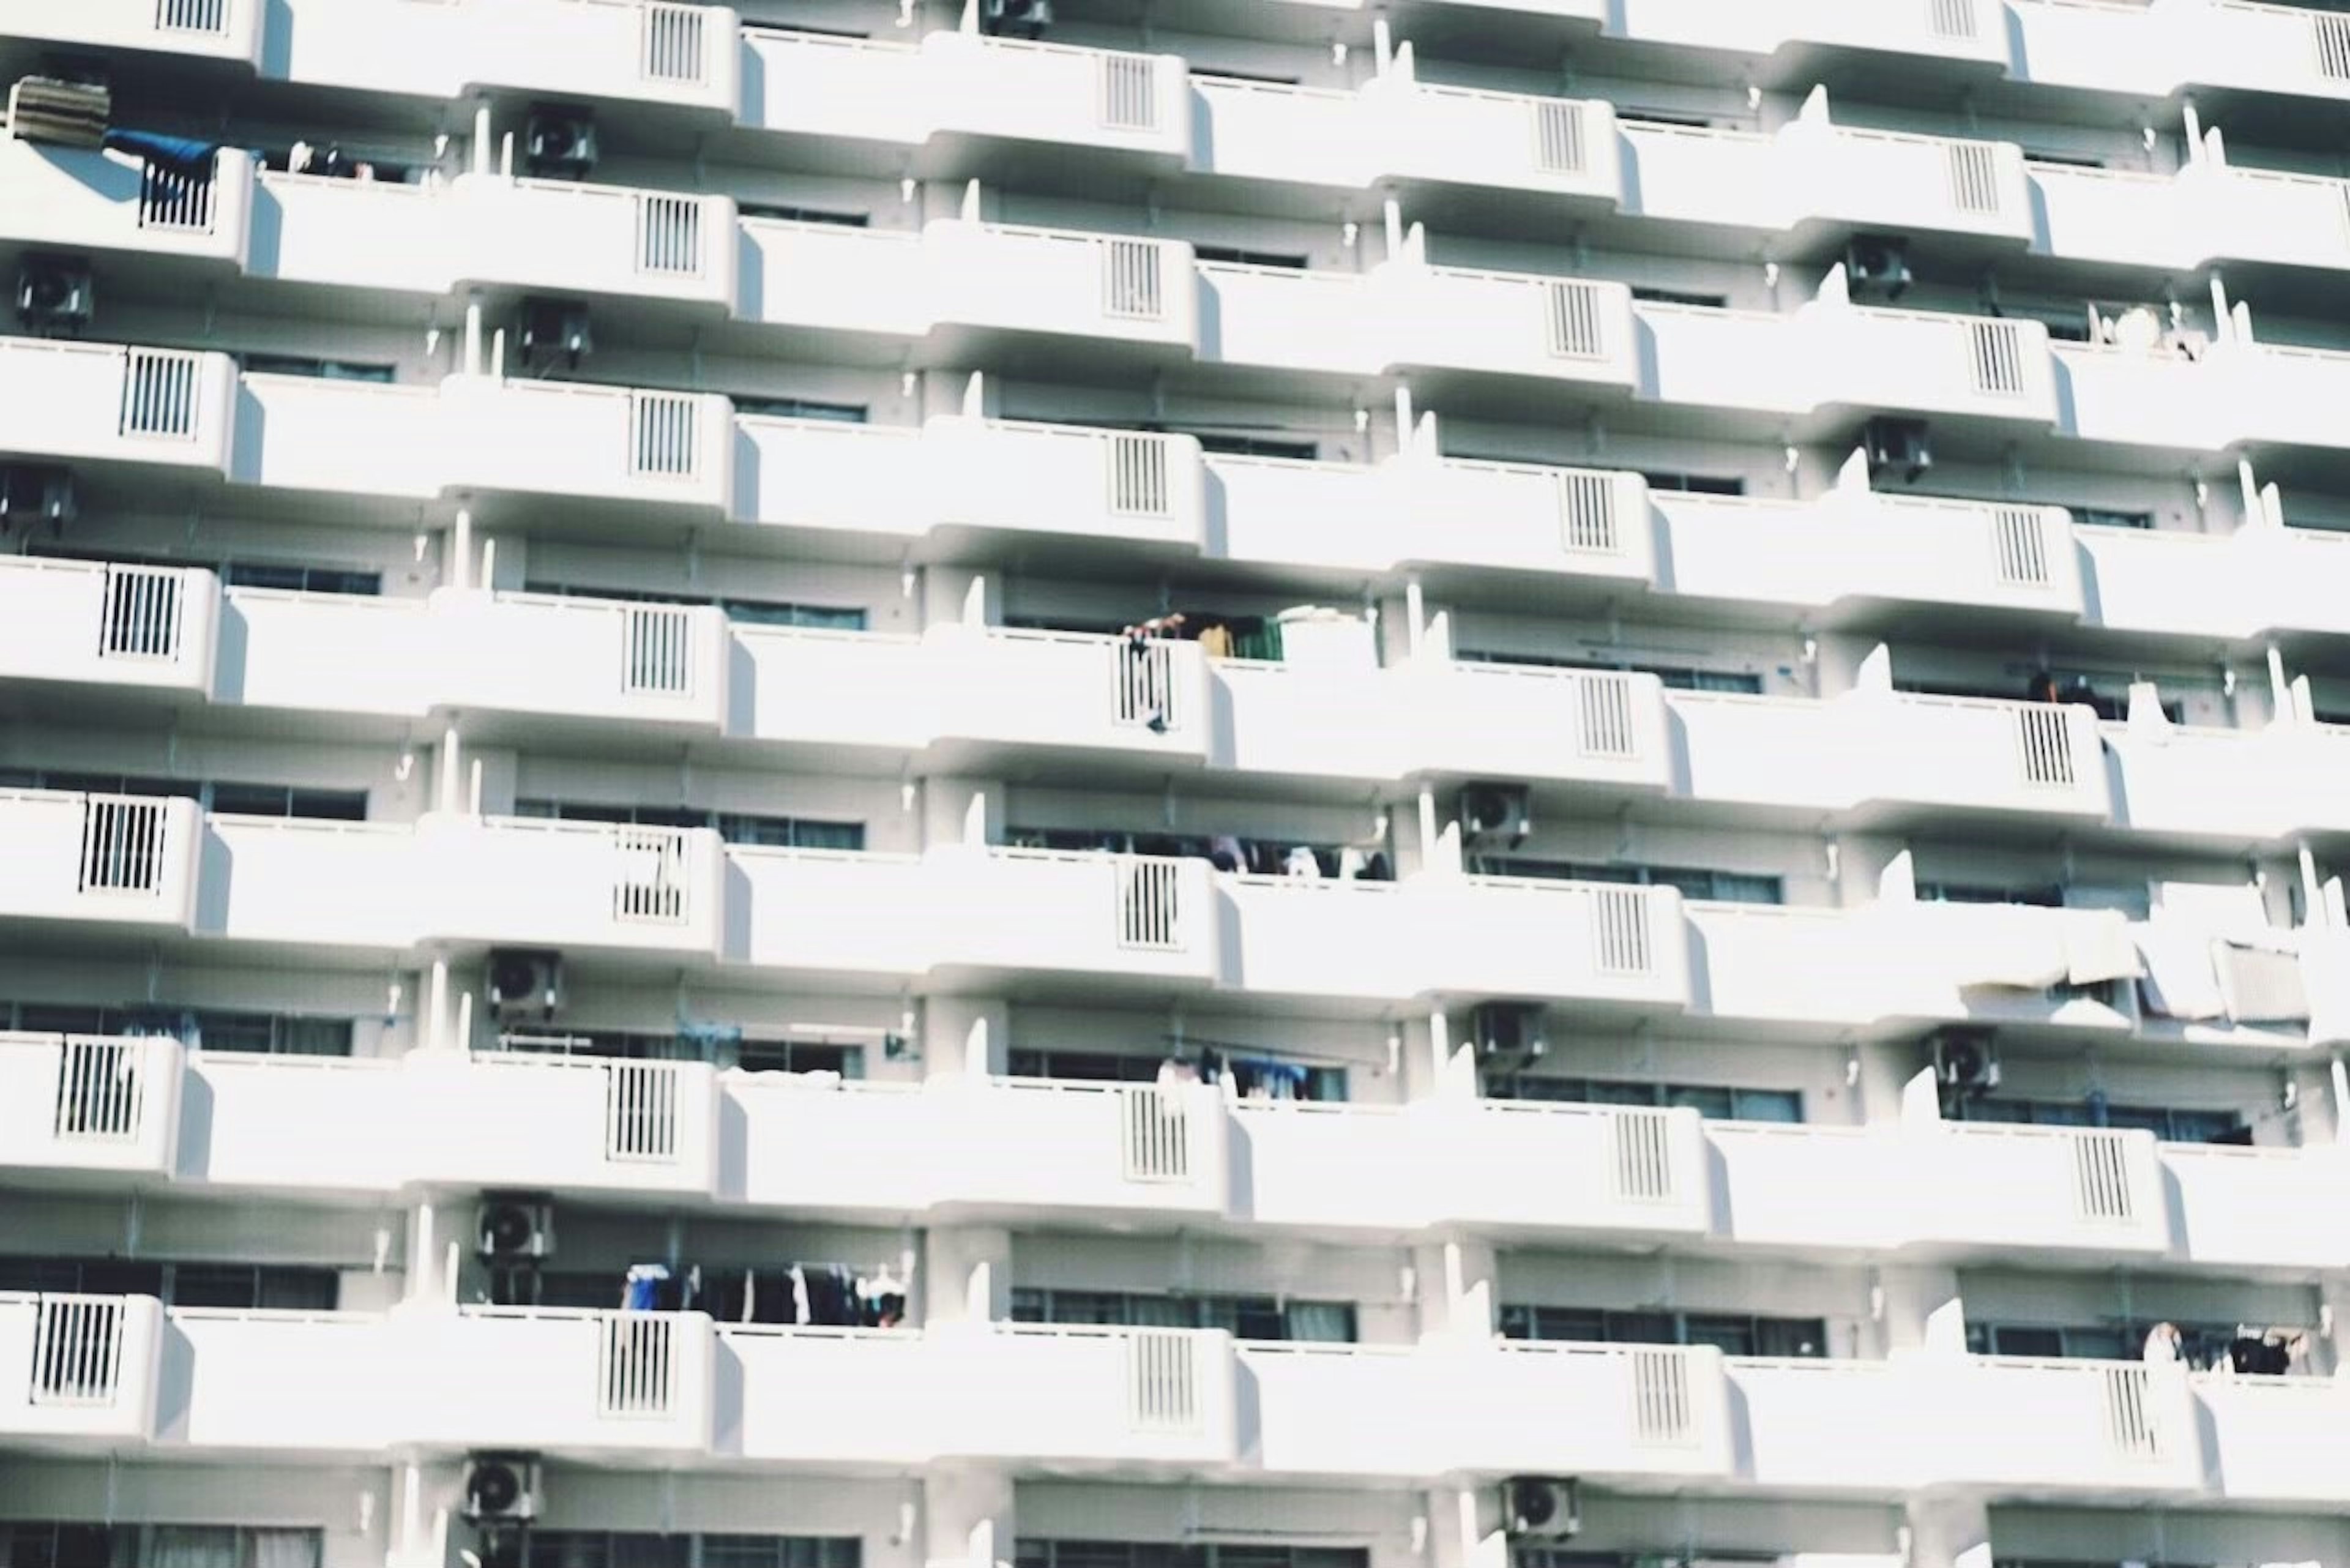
[1595, 728]
[2113, 1429]
[1851, 177]
[89, 1106]
[647, 51]
[2067, 1428]
[99, 860]
[86, 623]
[979, 1147]
[228, 30]
[528, 882]
[991, 281]
[79, 200]
[1642, 1414]
[1856, 553]
[1997, 370]
[580, 1384]
[657, 666]
[1439, 136]
[79, 1372]
[966, 98]
[162, 408]
[1506, 936]
[1587, 522]
[1562, 331]
[609, 443]
[1520, 1166]
[1133, 916]
[2274, 1437]
[2261, 48]
[2072, 1189]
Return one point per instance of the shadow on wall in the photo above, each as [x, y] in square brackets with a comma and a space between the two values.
[192, 1159]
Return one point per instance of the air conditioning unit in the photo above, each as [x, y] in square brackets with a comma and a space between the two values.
[553, 327]
[1965, 1061]
[1542, 1508]
[501, 1488]
[1491, 811]
[1015, 18]
[36, 493]
[559, 141]
[54, 293]
[1897, 446]
[525, 980]
[1878, 264]
[1507, 1032]
[516, 1227]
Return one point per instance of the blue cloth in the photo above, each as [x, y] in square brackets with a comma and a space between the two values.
[179, 153]
[645, 1281]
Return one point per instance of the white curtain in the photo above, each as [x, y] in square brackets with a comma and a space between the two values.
[194, 1546]
[285, 1549]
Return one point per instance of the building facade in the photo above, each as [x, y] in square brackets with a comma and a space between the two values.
[1223, 783]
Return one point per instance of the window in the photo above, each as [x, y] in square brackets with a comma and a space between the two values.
[784, 212]
[274, 1033]
[1672, 676]
[2048, 896]
[1219, 73]
[2117, 1339]
[241, 1286]
[1698, 301]
[2170, 1125]
[250, 574]
[321, 369]
[301, 579]
[41, 1544]
[2062, 160]
[1034, 1553]
[1663, 116]
[1716, 1102]
[1323, 1084]
[1240, 256]
[1735, 1333]
[1245, 1317]
[800, 409]
[1227, 445]
[2109, 517]
[747, 612]
[1697, 483]
[734, 827]
[285, 800]
[599, 1548]
[1719, 887]
[236, 799]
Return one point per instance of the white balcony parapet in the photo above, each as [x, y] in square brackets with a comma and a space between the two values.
[89, 1103]
[209, 29]
[117, 859]
[104, 624]
[102, 402]
[608, 442]
[80, 1368]
[2080, 1189]
[88, 200]
[652, 51]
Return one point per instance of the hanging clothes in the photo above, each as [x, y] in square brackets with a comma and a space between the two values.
[642, 1290]
[1262, 1077]
[180, 154]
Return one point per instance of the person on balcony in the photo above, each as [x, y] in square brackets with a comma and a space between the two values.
[2162, 1344]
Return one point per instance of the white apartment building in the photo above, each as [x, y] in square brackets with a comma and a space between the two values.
[632, 937]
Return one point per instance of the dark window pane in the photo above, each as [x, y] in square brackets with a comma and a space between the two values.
[1643, 1328]
[1766, 1105]
[250, 799]
[2014, 1339]
[233, 1031]
[1731, 1335]
[299, 1290]
[214, 1285]
[1791, 1336]
[328, 805]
